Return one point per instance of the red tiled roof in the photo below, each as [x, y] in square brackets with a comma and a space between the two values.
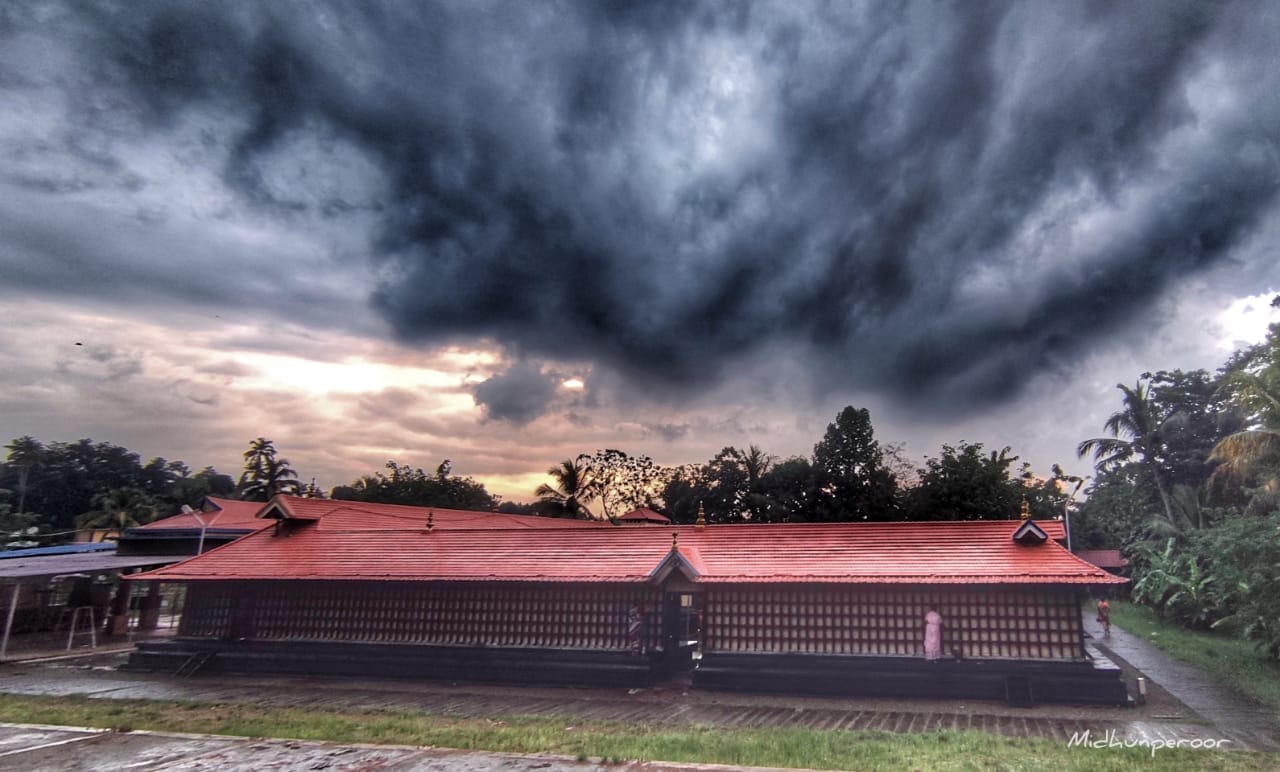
[645, 515]
[230, 514]
[980, 552]
[1053, 529]
[358, 516]
[1103, 558]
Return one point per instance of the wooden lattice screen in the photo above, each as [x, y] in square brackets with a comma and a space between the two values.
[832, 619]
[550, 616]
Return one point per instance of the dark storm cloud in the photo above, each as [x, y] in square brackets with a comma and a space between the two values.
[519, 395]
[936, 201]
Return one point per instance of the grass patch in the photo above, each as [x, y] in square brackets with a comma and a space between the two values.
[1228, 659]
[611, 740]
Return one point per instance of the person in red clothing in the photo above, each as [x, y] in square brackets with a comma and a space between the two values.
[1104, 616]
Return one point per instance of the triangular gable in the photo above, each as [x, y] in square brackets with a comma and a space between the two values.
[684, 560]
[1029, 534]
[278, 509]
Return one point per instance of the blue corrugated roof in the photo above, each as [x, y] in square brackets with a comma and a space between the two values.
[61, 549]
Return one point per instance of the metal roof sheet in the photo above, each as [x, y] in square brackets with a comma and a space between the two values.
[60, 549]
[83, 563]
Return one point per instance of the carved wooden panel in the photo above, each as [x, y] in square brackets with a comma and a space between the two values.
[1011, 623]
[551, 616]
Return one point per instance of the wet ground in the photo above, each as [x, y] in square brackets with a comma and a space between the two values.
[1171, 682]
[1181, 704]
[58, 749]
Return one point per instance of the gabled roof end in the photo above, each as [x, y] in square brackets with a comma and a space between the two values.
[1029, 534]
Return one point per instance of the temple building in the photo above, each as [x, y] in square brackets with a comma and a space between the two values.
[348, 588]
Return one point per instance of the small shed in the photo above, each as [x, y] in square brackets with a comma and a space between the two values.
[1108, 560]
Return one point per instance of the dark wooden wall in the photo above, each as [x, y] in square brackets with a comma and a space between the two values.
[472, 614]
[978, 621]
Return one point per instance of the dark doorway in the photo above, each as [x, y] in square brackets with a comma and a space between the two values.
[682, 630]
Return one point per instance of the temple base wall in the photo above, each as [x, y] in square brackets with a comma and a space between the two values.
[430, 662]
[1085, 682]
[1018, 682]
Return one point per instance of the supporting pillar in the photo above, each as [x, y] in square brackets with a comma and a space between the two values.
[8, 622]
[118, 616]
[149, 616]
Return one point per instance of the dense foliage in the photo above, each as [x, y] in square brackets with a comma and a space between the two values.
[849, 477]
[1188, 484]
[48, 490]
[402, 484]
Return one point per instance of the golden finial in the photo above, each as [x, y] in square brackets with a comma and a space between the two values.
[675, 541]
[431, 521]
[1026, 509]
[702, 516]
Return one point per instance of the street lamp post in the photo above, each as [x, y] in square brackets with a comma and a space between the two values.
[1066, 507]
[203, 526]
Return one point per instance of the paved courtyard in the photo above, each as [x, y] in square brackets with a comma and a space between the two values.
[1184, 705]
[56, 749]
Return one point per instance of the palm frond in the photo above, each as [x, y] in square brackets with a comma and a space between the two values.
[1238, 452]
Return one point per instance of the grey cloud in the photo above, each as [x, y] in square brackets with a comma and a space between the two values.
[228, 368]
[669, 431]
[520, 394]
[931, 202]
[387, 402]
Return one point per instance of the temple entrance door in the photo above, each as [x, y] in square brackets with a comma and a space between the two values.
[682, 629]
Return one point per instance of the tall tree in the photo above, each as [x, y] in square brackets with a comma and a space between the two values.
[265, 473]
[25, 454]
[1251, 455]
[571, 493]
[1137, 432]
[850, 463]
[403, 484]
[1114, 512]
[967, 483]
[1205, 414]
[192, 490]
[621, 482]
[118, 509]
[791, 491]
[686, 488]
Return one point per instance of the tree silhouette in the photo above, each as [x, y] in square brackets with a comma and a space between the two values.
[265, 474]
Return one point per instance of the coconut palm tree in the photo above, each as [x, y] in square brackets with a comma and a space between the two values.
[265, 475]
[1255, 452]
[25, 453]
[118, 509]
[1136, 431]
[572, 492]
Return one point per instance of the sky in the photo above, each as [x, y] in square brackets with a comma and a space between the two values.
[509, 233]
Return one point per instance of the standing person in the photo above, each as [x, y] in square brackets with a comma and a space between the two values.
[1104, 616]
[635, 629]
[932, 636]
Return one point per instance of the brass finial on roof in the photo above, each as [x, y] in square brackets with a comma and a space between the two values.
[431, 521]
[1026, 509]
[675, 541]
[702, 517]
